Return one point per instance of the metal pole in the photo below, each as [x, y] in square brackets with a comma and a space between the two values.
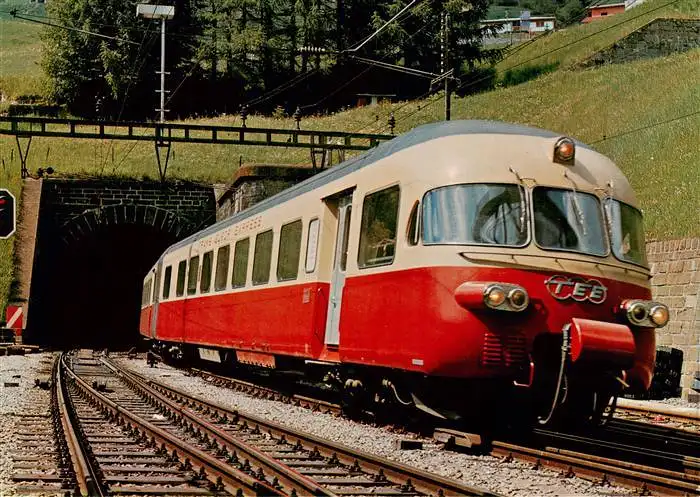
[162, 70]
[446, 65]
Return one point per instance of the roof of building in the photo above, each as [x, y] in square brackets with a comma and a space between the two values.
[416, 136]
[600, 5]
[533, 18]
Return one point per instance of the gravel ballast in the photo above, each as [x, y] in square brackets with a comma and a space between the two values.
[17, 401]
[513, 478]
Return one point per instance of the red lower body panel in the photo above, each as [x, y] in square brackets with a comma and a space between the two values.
[407, 320]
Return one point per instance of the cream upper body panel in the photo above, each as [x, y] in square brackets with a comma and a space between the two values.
[431, 156]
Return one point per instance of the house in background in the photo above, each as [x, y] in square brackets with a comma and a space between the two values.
[532, 25]
[600, 11]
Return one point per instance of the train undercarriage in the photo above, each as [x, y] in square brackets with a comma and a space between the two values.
[536, 394]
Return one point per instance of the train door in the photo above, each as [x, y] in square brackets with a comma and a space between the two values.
[156, 298]
[338, 270]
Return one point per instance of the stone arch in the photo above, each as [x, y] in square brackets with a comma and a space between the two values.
[167, 221]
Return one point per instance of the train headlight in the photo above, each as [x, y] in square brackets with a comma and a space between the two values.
[564, 150]
[494, 296]
[659, 315]
[637, 313]
[518, 299]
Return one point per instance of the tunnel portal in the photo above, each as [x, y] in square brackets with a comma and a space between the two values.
[96, 240]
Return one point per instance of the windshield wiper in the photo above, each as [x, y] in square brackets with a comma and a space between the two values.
[577, 208]
[521, 190]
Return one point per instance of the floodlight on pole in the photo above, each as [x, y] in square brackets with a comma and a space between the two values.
[164, 13]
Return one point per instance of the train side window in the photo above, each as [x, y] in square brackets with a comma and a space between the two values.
[192, 275]
[412, 231]
[240, 263]
[289, 251]
[205, 280]
[378, 230]
[166, 282]
[312, 245]
[263, 258]
[146, 295]
[222, 257]
[181, 276]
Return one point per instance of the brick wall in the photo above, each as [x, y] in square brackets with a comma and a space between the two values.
[252, 184]
[675, 269]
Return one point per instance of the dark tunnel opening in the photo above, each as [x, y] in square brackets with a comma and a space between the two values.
[89, 293]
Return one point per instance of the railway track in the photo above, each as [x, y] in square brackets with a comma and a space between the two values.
[682, 419]
[632, 454]
[145, 438]
[43, 462]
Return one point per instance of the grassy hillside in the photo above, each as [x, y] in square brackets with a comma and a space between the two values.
[613, 102]
[20, 50]
[589, 105]
[572, 45]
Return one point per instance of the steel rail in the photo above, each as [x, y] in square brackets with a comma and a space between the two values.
[620, 471]
[411, 479]
[686, 414]
[268, 393]
[218, 473]
[86, 476]
[605, 469]
[290, 480]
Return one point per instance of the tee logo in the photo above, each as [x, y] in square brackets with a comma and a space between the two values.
[578, 289]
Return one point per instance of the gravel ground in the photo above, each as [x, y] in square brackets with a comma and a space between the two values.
[513, 479]
[675, 402]
[16, 401]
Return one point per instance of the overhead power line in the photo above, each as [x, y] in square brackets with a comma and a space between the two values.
[470, 84]
[646, 127]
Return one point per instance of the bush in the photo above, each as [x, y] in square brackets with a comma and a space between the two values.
[514, 77]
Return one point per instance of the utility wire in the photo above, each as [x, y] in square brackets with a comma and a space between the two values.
[480, 80]
[69, 28]
[644, 128]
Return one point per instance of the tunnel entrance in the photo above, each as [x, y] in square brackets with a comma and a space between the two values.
[92, 287]
[96, 240]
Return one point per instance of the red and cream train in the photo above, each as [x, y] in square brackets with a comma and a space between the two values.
[460, 263]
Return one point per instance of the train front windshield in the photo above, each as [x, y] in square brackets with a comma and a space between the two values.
[475, 214]
[564, 220]
[568, 220]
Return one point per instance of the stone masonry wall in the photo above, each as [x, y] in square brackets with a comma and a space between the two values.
[659, 38]
[675, 269]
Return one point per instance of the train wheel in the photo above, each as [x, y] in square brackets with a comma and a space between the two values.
[355, 398]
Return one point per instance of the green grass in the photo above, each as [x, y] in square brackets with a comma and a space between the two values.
[20, 55]
[572, 45]
[661, 162]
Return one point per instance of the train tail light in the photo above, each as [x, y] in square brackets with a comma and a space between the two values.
[645, 313]
[498, 296]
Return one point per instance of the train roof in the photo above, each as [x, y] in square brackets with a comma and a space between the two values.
[416, 136]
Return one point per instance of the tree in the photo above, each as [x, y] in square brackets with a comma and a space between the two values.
[416, 41]
[112, 76]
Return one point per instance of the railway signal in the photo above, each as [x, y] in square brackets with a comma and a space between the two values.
[8, 218]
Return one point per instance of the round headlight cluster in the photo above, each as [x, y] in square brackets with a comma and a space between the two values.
[506, 297]
[659, 315]
[637, 313]
[494, 296]
[518, 299]
[646, 314]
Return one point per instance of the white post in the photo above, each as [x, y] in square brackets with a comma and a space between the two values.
[164, 13]
[162, 70]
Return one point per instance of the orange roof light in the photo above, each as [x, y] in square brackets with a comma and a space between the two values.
[564, 150]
